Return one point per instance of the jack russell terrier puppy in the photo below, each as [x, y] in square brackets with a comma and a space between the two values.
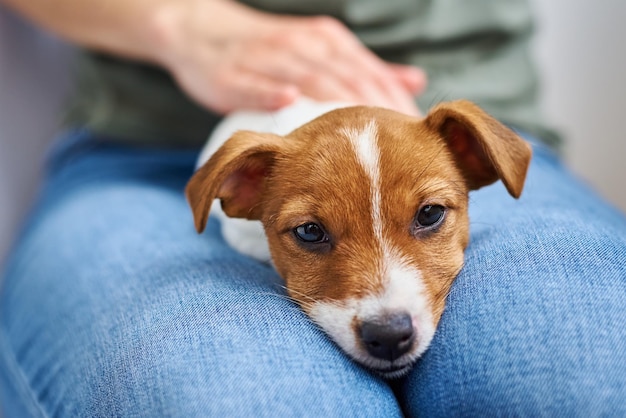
[361, 210]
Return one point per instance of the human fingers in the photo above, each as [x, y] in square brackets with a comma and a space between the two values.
[414, 79]
[276, 60]
[253, 91]
[228, 88]
[339, 53]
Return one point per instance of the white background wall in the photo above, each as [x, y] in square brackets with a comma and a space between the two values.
[581, 47]
[581, 50]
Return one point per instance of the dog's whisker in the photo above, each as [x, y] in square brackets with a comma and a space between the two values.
[484, 223]
[299, 293]
[304, 306]
[439, 97]
[278, 295]
[427, 166]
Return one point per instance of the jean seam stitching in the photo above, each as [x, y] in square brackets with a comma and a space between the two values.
[16, 376]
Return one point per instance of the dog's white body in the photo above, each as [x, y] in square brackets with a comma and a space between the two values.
[245, 236]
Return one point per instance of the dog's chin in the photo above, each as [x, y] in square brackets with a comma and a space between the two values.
[386, 369]
[393, 372]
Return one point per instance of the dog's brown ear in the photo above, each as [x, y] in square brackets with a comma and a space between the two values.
[485, 149]
[236, 174]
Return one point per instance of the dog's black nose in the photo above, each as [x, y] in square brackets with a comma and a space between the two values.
[389, 337]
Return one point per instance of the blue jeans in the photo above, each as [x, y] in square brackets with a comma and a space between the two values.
[112, 305]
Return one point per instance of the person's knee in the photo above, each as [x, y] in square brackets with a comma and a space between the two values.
[188, 348]
[533, 326]
[236, 355]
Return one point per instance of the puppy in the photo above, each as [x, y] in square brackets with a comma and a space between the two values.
[362, 211]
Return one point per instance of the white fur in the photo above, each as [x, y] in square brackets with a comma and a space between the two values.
[366, 148]
[403, 292]
[248, 237]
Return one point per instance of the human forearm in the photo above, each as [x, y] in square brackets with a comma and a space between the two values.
[139, 29]
[227, 56]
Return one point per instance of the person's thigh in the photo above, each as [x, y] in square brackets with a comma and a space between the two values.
[112, 305]
[536, 322]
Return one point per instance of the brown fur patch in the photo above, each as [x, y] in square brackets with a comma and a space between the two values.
[314, 175]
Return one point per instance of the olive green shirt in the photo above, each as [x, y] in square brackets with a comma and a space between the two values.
[473, 49]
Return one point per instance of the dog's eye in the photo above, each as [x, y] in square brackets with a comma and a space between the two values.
[430, 215]
[311, 233]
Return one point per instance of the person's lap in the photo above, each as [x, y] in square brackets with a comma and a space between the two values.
[535, 323]
[112, 305]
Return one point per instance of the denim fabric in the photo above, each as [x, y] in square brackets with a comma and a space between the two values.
[536, 322]
[112, 305]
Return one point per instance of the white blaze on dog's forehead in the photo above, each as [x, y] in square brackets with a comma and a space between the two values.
[365, 145]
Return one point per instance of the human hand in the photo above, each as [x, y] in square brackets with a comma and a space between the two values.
[229, 57]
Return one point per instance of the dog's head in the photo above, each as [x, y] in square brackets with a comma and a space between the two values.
[365, 211]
